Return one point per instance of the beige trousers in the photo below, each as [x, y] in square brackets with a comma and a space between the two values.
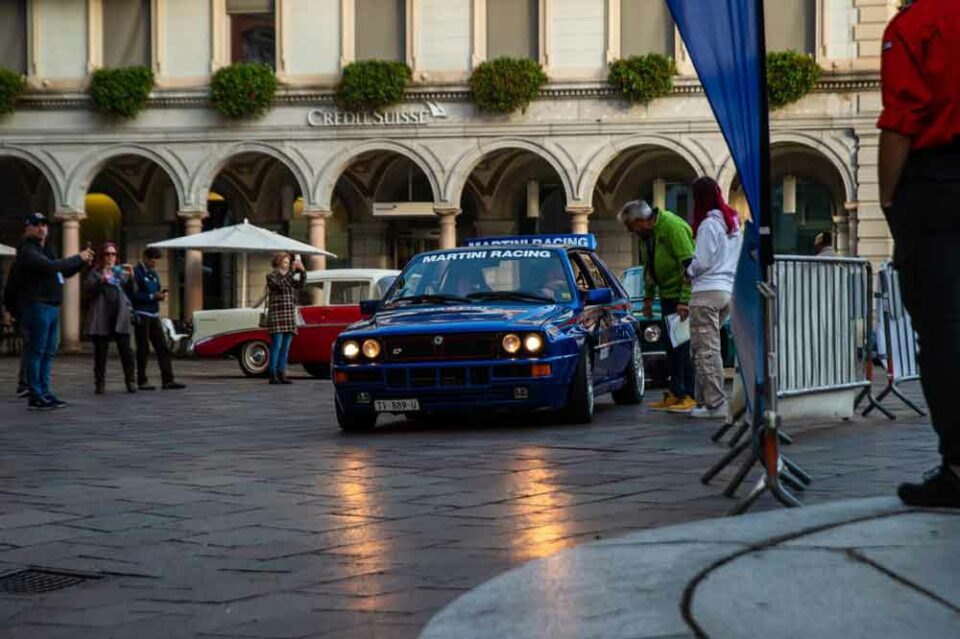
[708, 312]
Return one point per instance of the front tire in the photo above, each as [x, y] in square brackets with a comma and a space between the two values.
[635, 384]
[254, 358]
[582, 399]
[355, 421]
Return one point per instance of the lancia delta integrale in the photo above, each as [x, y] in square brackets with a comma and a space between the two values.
[504, 324]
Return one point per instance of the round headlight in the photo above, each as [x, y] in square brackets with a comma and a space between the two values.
[371, 349]
[533, 343]
[351, 350]
[652, 334]
[511, 343]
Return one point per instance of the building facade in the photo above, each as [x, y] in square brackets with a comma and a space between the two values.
[377, 188]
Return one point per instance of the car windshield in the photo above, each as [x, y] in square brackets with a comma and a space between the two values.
[522, 276]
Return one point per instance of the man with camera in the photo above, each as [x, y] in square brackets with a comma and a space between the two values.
[148, 293]
[40, 278]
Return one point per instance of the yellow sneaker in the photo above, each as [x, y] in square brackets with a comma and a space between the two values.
[669, 399]
[685, 405]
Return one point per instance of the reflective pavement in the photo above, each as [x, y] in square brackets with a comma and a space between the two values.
[237, 509]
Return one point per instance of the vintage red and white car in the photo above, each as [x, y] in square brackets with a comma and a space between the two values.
[330, 302]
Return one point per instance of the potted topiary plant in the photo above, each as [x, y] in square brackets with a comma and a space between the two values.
[504, 85]
[121, 92]
[243, 90]
[12, 86]
[368, 85]
[790, 76]
[643, 78]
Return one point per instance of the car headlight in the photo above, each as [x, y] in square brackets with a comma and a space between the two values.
[371, 349]
[351, 350]
[652, 334]
[511, 343]
[533, 343]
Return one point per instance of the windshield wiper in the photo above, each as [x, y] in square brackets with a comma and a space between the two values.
[511, 295]
[428, 299]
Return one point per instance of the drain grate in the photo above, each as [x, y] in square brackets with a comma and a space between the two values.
[37, 580]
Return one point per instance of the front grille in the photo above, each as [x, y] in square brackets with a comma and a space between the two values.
[421, 348]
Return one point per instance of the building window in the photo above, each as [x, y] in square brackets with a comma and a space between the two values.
[513, 29]
[646, 26]
[13, 35]
[791, 25]
[253, 31]
[381, 30]
[126, 33]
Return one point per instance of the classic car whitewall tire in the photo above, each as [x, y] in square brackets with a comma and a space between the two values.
[254, 358]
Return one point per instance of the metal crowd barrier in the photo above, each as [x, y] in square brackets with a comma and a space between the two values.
[824, 320]
[896, 340]
[823, 316]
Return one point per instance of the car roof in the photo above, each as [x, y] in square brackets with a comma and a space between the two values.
[351, 274]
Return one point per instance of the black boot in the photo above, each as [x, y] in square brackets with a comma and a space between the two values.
[273, 379]
[940, 489]
[282, 376]
[131, 386]
[99, 388]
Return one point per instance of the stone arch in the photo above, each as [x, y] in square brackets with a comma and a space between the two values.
[840, 161]
[211, 167]
[468, 161]
[330, 173]
[91, 165]
[53, 175]
[602, 158]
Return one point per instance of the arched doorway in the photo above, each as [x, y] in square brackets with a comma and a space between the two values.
[23, 190]
[659, 176]
[383, 212]
[513, 192]
[250, 186]
[132, 201]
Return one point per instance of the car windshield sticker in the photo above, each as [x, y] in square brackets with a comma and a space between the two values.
[586, 240]
[484, 255]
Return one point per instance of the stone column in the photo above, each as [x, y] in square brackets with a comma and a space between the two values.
[317, 220]
[579, 215]
[448, 227]
[193, 266]
[70, 309]
[847, 232]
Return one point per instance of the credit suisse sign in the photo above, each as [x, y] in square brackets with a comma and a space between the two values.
[426, 114]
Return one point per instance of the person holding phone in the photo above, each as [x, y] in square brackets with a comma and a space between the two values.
[283, 284]
[109, 287]
[147, 296]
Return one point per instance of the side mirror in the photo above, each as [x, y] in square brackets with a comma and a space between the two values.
[598, 296]
[369, 308]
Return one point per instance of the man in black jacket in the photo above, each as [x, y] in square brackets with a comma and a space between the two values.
[41, 276]
[148, 293]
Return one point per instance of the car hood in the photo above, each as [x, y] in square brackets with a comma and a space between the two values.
[457, 319]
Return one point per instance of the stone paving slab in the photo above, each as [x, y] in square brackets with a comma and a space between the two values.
[214, 510]
[811, 572]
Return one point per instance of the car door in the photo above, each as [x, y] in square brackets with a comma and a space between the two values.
[307, 343]
[595, 319]
[623, 330]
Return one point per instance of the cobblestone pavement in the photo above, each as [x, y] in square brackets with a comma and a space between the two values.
[237, 509]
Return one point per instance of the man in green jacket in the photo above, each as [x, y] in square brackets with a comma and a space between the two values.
[666, 249]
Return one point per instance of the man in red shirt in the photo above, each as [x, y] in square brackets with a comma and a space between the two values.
[920, 195]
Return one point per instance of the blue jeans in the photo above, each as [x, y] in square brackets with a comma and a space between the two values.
[41, 328]
[279, 350]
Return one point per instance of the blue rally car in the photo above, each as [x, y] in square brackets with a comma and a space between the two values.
[511, 324]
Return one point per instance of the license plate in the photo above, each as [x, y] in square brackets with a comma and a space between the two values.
[396, 405]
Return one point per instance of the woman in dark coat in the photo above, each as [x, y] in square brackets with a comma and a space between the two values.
[109, 288]
[282, 288]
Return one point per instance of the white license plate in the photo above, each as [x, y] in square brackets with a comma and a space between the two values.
[396, 405]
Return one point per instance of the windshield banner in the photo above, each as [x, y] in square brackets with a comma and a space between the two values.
[457, 256]
[587, 241]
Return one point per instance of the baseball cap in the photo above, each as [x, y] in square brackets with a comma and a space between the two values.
[35, 219]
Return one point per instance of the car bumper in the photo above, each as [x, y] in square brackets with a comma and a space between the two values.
[455, 386]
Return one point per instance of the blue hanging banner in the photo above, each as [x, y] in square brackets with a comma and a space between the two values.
[725, 42]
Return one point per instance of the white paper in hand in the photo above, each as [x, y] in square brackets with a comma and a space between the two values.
[678, 331]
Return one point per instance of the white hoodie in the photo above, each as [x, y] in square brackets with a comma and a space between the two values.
[714, 264]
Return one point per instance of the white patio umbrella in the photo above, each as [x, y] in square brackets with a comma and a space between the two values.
[7, 251]
[244, 239]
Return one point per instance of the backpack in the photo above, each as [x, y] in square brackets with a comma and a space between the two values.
[11, 292]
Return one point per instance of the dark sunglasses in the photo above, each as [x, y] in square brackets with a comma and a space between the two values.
[110, 253]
